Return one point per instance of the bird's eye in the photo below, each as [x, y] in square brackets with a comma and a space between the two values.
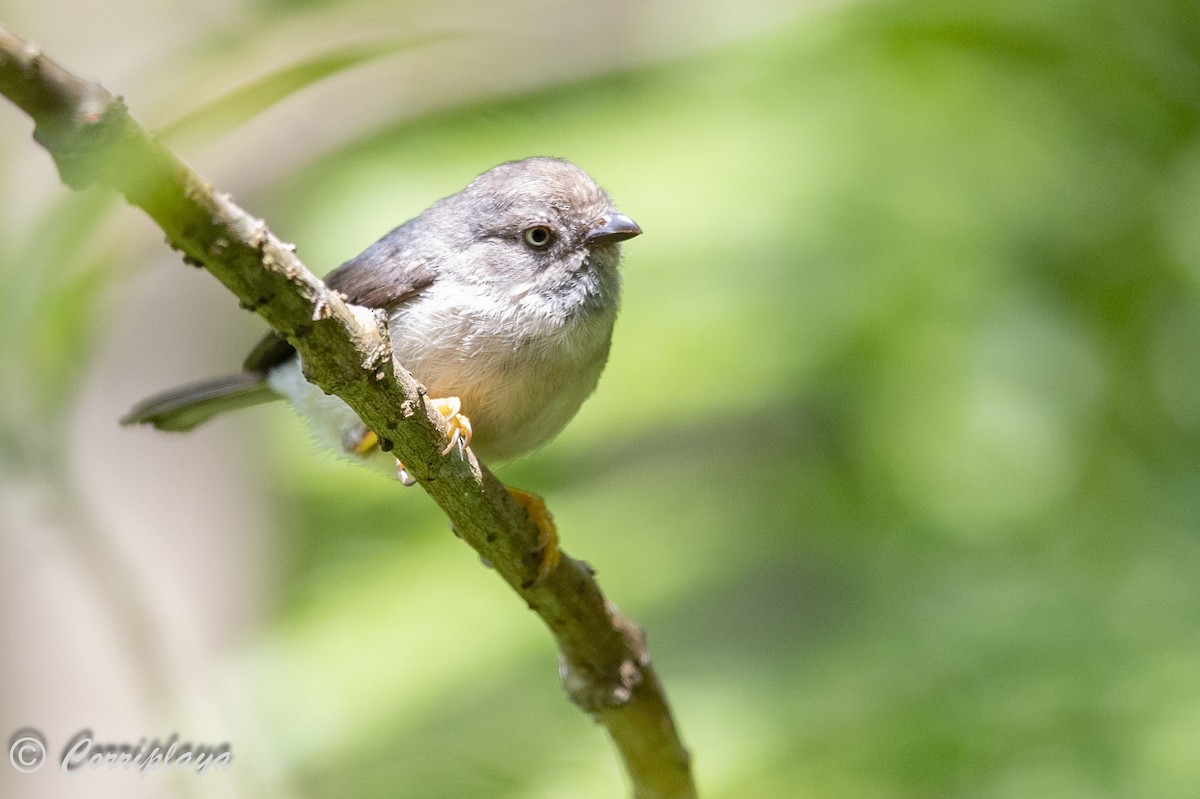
[538, 237]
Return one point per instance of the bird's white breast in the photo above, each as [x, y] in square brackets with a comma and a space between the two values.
[520, 370]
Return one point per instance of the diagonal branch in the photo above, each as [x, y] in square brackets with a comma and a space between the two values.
[604, 662]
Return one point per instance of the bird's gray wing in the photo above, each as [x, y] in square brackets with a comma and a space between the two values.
[384, 275]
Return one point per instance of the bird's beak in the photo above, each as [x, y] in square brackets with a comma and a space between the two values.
[613, 227]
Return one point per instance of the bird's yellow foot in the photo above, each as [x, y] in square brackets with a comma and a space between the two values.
[539, 514]
[360, 444]
[364, 443]
[460, 425]
[450, 408]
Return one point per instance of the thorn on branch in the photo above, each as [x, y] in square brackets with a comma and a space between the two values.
[196, 189]
[259, 237]
[321, 310]
[594, 692]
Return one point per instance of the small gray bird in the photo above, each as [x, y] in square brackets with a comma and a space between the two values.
[500, 300]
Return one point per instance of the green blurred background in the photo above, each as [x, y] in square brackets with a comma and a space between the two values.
[895, 458]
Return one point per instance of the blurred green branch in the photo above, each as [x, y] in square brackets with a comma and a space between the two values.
[605, 665]
[237, 107]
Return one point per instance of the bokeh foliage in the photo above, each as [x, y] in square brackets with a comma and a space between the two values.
[896, 458]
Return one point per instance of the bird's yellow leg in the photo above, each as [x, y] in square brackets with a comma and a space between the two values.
[539, 514]
[364, 443]
[460, 425]
[459, 434]
[449, 407]
[363, 446]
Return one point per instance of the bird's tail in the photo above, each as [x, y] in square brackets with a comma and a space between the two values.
[194, 404]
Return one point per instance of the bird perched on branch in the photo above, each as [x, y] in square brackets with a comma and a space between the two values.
[500, 300]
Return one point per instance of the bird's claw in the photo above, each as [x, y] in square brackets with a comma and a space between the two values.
[360, 443]
[547, 551]
[459, 434]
